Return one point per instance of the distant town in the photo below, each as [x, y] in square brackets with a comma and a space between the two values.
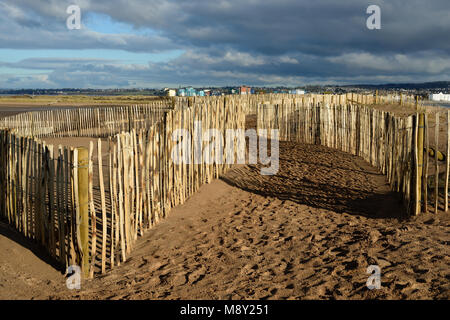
[437, 91]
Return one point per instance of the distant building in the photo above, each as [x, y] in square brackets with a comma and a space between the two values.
[181, 92]
[190, 92]
[245, 90]
[439, 97]
[297, 91]
[170, 92]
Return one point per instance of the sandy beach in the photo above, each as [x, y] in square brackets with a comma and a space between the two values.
[232, 151]
[309, 232]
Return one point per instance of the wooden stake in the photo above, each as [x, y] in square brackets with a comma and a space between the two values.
[121, 200]
[51, 197]
[447, 162]
[92, 209]
[425, 170]
[113, 209]
[420, 119]
[61, 207]
[82, 194]
[102, 194]
[436, 177]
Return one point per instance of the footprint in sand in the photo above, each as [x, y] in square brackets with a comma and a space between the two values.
[179, 279]
[249, 269]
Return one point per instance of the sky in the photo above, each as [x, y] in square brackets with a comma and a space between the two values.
[168, 43]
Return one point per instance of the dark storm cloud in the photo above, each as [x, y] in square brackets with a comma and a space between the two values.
[322, 27]
[258, 42]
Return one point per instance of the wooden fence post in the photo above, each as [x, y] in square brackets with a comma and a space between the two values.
[83, 209]
[436, 161]
[92, 209]
[78, 124]
[419, 149]
[425, 170]
[447, 158]
[103, 200]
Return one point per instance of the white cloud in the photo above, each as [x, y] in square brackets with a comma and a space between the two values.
[263, 42]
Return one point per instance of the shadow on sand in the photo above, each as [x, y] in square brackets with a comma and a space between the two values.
[9, 232]
[319, 194]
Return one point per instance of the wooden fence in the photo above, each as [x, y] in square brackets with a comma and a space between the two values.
[86, 121]
[36, 190]
[399, 147]
[88, 206]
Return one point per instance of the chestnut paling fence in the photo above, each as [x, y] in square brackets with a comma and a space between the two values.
[88, 206]
[86, 121]
[404, 148]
